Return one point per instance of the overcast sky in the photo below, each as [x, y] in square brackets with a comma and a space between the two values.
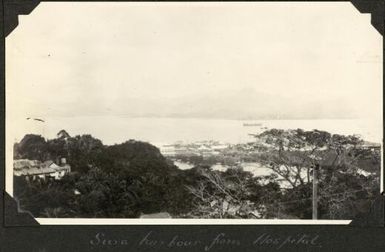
[150, 59]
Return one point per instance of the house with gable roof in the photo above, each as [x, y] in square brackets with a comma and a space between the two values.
[33, 169]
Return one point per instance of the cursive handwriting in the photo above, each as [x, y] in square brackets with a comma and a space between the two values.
[218, 241]
[279, 242]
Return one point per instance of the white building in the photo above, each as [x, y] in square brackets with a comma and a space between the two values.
[33, 169]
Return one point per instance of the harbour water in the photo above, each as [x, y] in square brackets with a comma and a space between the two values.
[160, 131]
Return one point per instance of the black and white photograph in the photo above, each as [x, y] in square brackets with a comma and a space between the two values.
[194, 112]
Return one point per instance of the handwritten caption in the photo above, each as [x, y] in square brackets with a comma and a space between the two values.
[218, 241]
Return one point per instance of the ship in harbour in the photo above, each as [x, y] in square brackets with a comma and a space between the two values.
[252, 124]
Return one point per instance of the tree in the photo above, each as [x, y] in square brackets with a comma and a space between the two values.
[112, 181]
[80, 151]
[107, 195]
[42, 195]
[32, 147]
[293, 154]
[231, 194]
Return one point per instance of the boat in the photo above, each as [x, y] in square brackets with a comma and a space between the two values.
[252, 124]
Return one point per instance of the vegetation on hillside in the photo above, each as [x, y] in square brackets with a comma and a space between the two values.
[133, 178]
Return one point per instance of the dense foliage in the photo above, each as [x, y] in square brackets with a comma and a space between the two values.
[121, 180]
[133, 178]
[341, 161]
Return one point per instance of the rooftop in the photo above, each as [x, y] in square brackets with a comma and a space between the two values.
[35, 167]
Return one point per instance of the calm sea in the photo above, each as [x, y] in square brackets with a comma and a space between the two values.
[159, 131]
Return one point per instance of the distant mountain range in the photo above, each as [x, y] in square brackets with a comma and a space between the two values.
[243, 105]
